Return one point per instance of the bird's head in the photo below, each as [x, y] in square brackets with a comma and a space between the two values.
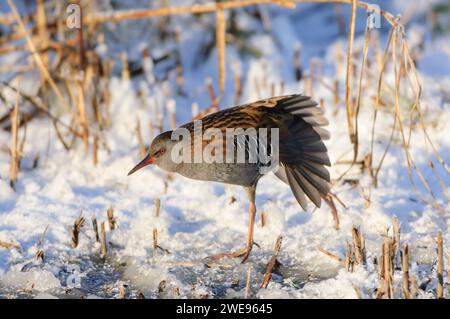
[159, 154]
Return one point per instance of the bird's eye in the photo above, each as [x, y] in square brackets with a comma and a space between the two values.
[162, 151]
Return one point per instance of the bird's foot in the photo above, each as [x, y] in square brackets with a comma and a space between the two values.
[244, 252]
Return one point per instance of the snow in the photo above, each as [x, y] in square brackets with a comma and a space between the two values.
[197, 219]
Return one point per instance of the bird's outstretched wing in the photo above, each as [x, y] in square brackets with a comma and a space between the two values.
[303, 154]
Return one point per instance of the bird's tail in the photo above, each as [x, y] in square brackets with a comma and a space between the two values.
[303, 154]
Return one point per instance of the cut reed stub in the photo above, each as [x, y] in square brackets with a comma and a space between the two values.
[77, 225]
[112, 222]
[405, 269]
[263, 219]
[273, 262]
[95, 228]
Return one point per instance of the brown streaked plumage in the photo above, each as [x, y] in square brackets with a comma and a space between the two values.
[302, 153]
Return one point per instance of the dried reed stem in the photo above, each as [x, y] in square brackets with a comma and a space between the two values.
[272, 262]
[79, 222]
[359, 246]
[39, 252]
[358, 100]
[388, 267]
[348, 103]
[263, 219]
[82, 116]
[41, 23]
[95, 227]
[396, 235]
[331, 255]
[237, 83]
[405, 268]
[111, 219]
[15, 156]
[95, 150]
[213, 7]
[220, 44]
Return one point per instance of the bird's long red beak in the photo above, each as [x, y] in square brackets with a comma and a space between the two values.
[146, 161]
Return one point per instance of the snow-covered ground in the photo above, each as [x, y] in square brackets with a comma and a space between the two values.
[198, 219]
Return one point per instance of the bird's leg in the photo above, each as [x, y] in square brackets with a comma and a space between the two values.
[244, 252]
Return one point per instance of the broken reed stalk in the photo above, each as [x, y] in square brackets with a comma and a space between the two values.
[95, 150]
[79, 222]
[330, 202]
[359, 246]
[358, 99]
[103, 247]
[263, 219]
[348, 103]
[331, 255]
[396, 235]
[95, 227]
[349, 262]
[41, 23]
[405, 268]
[386, 270]
[112, 222]
[220, 44]
[14, 167]
[440, 267]
[82, 116]
[272, 262]
[157, 206]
